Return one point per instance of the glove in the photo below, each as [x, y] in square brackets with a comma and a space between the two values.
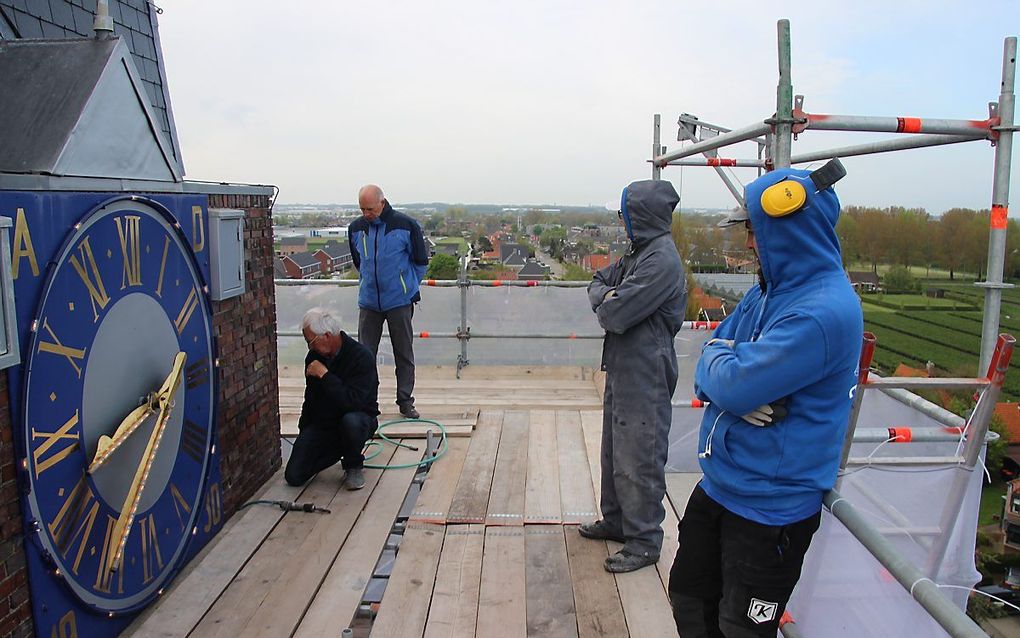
[768, 414]
[611, 293]
[726, 342]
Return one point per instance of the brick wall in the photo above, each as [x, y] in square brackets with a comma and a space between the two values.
[15, 610]
[245, 328]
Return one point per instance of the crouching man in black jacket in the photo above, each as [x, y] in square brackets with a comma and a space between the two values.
[341, 403]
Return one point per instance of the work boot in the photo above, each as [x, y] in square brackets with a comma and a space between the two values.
[354, 479]
[599, 531]
[408, 412]
[623, 561]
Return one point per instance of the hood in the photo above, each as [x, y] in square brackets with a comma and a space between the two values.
[794, 248]
[647, 209]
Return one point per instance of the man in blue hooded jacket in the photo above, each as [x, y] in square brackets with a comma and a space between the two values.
[640, 301]
[389, 252]
[780, 374]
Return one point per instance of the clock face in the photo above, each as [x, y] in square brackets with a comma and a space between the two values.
[122, 299]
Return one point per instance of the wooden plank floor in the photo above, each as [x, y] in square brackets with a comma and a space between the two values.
[490, 546]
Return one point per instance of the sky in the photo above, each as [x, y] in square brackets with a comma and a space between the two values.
[552, 102]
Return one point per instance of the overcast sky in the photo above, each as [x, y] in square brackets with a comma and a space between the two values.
[552, 101]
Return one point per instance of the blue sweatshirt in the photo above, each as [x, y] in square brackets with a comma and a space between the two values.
[800, 338]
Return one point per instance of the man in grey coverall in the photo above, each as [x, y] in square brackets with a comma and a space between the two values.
[640, 301]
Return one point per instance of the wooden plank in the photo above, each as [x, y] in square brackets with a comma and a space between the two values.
[251, 586]
[450, 402]
[506, 498]
[425, 385]
[331, 542]
[502, 598]
[599, 381]
[454, 608]
[550, 598]
[471, 497]
[591, 423]
[182, 606]
[596, 599]
[405, 605]
[437, 492]
[670, 543]
[542, 494]
[406, 430]
[645, 604]
[577, 498]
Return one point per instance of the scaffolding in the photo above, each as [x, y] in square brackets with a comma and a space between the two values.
[774, 136]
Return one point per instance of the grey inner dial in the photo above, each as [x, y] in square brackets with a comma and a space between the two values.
[132, 355]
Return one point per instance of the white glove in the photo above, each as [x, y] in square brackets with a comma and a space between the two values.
[726, 342]
[611, 293]
[760, 416]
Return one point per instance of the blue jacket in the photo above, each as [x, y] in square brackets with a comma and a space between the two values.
[798, 338]
[391, 257]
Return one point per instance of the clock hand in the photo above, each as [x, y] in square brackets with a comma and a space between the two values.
[126, 428]
[164, 399]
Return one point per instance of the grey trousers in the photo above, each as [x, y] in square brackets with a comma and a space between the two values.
[398, 320]
[635, 441]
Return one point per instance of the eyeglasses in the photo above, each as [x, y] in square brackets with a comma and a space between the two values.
[619, 214]
[312, 342]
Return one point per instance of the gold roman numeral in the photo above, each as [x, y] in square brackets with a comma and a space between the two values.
[51, 438]
[162, 267]
[56, 347]
[73, 523]
[130, 235]
[152, 561]
[185, 314]
[89, 272]
[213, 507]
[66, 627]
[197, 373]
[104, 575]
[180, 503]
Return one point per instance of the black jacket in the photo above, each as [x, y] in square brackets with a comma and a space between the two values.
[351, 385]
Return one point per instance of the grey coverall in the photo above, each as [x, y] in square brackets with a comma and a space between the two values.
[641, 319]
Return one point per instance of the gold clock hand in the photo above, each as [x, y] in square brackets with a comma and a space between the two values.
[164, 399]
[126, 428]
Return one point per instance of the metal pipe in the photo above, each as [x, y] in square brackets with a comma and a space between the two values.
[656, 145]
[926, 407]
[893, 124]
[686, 118]
[881, 146]
[863, 370]
[1000, 205]
[922, 589]
[103, 24]
[904, 460]
[928, 383]
[721, 161]
[784, 99]
[712, 159]
[739, 135]
[441, 283]
[463, 332]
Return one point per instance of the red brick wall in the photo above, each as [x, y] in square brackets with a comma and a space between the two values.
[245, 328]
[15, 610]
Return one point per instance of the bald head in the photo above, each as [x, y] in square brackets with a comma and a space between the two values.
[371, 201]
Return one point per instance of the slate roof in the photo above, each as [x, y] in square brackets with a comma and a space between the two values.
[335, 250]
[304, 260]
[508, 249]
[532, 269]
[279, 271]
[294, 241]
[133, 20]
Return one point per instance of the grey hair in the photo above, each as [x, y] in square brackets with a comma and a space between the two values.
[320, 322]
[371, 188]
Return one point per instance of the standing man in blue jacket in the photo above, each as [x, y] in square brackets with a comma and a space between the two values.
[780, 374]
[640, 302]
[390, 254]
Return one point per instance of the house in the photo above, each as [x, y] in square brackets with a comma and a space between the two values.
[302, 265]
[1011, 516]
[533, 271]
[291, 245]
[334, 257]
[515, 252]
[595, 262]
[279, 270]
[516, 259]
[864, 281]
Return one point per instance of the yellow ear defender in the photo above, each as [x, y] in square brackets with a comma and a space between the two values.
[789, 196]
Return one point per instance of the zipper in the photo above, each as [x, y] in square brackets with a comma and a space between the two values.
[375, 257]
[402, 284]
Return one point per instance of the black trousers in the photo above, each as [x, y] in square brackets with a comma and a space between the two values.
[398, 320]
[733, 577]
[317, 448]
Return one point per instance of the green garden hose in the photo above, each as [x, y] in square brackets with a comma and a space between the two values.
[443, 445]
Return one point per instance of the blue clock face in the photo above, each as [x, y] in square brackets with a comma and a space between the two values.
[122, 302]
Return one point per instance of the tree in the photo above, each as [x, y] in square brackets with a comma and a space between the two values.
[899, 279]
[485, 244]
[954, 237]
[442, 267]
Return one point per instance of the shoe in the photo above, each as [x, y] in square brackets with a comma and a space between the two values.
[354, 479]
[408, 412]
[599, 531]
[623, 561]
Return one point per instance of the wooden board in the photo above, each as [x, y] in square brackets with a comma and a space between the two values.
[405, 605]
[506, 497]
[577, 498]
[596, 600]
[251, 586]
[423, 385]
[550, 597]
[591, 423]
[670, 543]
[454, 608]
[374, 509]
[471, 497]
[645, 604]
[502, 599]
[406, 430]
[542, 495]
[437, 492]
[182, 606]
